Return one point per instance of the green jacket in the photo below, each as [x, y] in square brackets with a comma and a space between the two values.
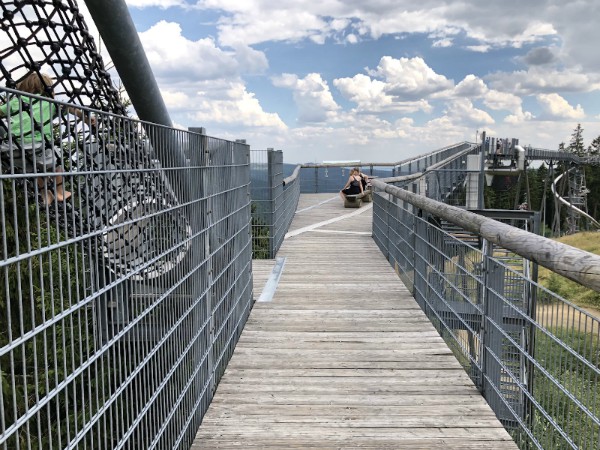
[28, 118]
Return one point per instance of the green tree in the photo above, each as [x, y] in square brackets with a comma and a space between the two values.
[594, 147]
[576, 145]
[592, 179]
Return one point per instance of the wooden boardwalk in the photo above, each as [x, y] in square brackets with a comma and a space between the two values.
[342, 357]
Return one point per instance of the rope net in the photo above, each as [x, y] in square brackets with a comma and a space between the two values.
[50, 36]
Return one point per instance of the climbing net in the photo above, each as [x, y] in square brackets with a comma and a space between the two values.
[50, 36]
[109, 165]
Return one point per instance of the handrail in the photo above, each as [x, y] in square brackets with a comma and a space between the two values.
[293, 176]
[381, 164]
[431, 168]
[577, 265]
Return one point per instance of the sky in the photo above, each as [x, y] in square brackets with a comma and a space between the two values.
[377, 80]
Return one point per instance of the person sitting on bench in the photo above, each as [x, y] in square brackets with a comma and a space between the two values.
[364, 179]
[354, 184]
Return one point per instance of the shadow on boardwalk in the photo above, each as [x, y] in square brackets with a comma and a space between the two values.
[342, 357]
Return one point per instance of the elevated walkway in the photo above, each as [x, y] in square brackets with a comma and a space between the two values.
[342, 356]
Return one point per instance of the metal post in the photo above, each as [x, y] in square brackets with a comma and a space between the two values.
[420, 259]
[271, 200]
[276, 183]
[123, 44]
[492, 339]
[480, 198]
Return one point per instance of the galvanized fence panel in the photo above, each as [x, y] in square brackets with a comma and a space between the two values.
[535, 356]
[261, 194]
[289, 204]
[122, 305]
[274, 202]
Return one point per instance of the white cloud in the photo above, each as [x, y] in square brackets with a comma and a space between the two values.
[231, 103]
[175, 100]
[352, 38]
[159, 3]
[207, 74]
[556, 107]
[255, 21]
[409, 79]
[441, 43]
[312, 96]
[175, 57]
[536, 80]
[483, 48]
[497, 100]
[471, 87]
[370, 96]
[519, 116]
[274, 24]
[462, 111]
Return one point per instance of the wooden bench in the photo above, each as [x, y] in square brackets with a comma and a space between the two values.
[355, 201]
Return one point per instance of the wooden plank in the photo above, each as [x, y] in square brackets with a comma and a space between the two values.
[336, 361]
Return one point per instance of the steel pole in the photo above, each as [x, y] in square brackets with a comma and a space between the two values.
[125, 48]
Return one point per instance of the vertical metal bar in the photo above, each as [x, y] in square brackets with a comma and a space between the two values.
[271, 201]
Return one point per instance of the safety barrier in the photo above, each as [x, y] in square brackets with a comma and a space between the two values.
[534, 356]
[122, 304]
[274, 201]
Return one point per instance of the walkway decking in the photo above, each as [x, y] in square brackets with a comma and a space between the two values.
[342, 357]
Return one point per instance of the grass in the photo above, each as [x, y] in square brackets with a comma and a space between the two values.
[570, 290]
[578, 379]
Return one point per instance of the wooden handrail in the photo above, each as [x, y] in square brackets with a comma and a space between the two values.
[570, 262]
[293, 176]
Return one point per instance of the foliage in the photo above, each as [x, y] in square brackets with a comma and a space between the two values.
[536, 186]
[260, 235]
[576, 145]
[34, 291]
[571, 290]
[577, 378]
[592, 171]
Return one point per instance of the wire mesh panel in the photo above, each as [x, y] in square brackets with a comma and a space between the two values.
[286, 209]
[273, 202]
[262, 207]
[125, 277]
[534, 356]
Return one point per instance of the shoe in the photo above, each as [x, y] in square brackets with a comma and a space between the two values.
[66, 195]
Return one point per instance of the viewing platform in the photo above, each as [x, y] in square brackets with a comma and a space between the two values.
[342, 356]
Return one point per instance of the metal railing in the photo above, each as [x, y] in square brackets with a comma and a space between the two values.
[121, 306]
[274, 201]
[534, 356]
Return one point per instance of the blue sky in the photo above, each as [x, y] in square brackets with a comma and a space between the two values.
[376, 81]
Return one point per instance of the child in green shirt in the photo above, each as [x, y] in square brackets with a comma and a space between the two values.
[30, 122]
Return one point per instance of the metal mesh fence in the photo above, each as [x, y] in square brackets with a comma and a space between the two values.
[535, 356]
[285, 213]
[122, 304]
[273, 203]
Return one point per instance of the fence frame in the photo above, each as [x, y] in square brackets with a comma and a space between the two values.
[469, 295]
[275, 200]
[122, 306]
